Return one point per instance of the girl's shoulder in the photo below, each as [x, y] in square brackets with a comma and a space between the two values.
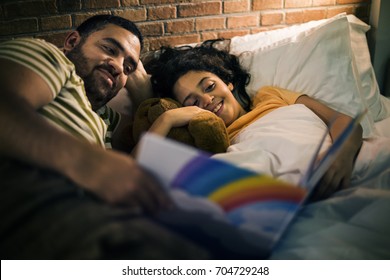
[276, 93]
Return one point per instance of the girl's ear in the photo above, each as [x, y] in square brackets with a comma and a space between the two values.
[230, 86]
[71, 41]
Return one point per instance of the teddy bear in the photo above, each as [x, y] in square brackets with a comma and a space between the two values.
[205, 131]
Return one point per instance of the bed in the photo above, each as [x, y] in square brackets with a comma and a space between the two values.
[328, 60]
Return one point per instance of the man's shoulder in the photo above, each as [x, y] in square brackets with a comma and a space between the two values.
[35, 47]
[43, 58]
[37, 54]
[29, 41]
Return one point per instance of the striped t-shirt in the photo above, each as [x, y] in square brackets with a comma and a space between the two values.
[70, 109]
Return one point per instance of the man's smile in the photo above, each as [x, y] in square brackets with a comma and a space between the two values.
[108, 77]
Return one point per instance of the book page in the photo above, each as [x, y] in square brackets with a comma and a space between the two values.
[258, 204]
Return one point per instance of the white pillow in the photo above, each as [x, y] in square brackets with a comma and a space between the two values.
[273, 38]
[378, 104]
[316, 59]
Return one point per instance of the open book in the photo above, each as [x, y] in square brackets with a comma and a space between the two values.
[258, 204]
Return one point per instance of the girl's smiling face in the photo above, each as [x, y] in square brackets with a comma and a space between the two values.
[207, 91]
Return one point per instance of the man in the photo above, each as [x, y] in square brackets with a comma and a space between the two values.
[64, 195]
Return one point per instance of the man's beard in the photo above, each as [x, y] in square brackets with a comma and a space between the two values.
[98, 92]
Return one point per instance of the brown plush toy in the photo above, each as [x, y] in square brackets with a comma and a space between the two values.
[205, 131]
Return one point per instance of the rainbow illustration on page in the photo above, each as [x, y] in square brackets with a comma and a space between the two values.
[252, 201]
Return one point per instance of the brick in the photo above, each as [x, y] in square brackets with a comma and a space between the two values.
[323, 2]
[267, 28]
[228, 34]
[180, 26]
[335, 11]
[294, 17]
[79, 18]
[277, 27]
[132, 14]
[209, 18]
[199, 9]
[210, 23]
[30, 9]
[242, 21]
[209, 36]
[151, 28]
[236, 6]
[56, 22]
[315, 14]
[159, 2]
[297, 3]
[163, 12]
[259, 29]
[145, 50]
[271, 18]
[101, 4]
[69, 6]
[259, 5]
[129, 3]
[156, 43]
[351, 1]
[57, 38]
[19, 26]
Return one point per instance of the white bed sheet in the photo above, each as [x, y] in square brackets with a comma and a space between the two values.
[352, 224]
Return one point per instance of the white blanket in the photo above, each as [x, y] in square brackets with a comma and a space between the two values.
[352, 224]
[280, 144]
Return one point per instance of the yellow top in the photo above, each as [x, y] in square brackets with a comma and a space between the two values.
[265, 101]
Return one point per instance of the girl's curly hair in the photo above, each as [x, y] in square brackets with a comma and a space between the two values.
[172, 63]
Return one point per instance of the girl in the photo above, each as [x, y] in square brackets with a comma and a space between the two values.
[207, 78]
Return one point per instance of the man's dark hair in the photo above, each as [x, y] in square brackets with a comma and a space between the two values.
[98, 22]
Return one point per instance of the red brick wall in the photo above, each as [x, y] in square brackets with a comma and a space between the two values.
[167, 21]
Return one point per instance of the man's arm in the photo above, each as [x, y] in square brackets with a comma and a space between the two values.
[139, 86]
[28, 137]
[137, 89]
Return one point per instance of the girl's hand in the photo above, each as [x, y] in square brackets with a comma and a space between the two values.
[174, 118]
[338, 176]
